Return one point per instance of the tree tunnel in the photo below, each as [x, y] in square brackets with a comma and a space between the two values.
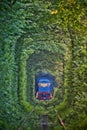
[31, 62]
[40, 35]
[41, 62]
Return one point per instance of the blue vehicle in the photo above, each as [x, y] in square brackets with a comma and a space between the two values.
[44, 87]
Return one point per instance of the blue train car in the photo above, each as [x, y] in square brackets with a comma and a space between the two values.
[44, 85]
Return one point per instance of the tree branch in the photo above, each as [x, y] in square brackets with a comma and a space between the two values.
[60, 119]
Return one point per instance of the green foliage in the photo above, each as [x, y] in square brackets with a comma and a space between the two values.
[10, 31]
[49, 36]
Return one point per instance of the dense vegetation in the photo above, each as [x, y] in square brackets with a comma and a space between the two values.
[43, 35]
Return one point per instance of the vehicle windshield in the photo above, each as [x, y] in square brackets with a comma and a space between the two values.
[44, 83]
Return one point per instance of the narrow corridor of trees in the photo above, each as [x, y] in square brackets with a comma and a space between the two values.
[49, 36]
